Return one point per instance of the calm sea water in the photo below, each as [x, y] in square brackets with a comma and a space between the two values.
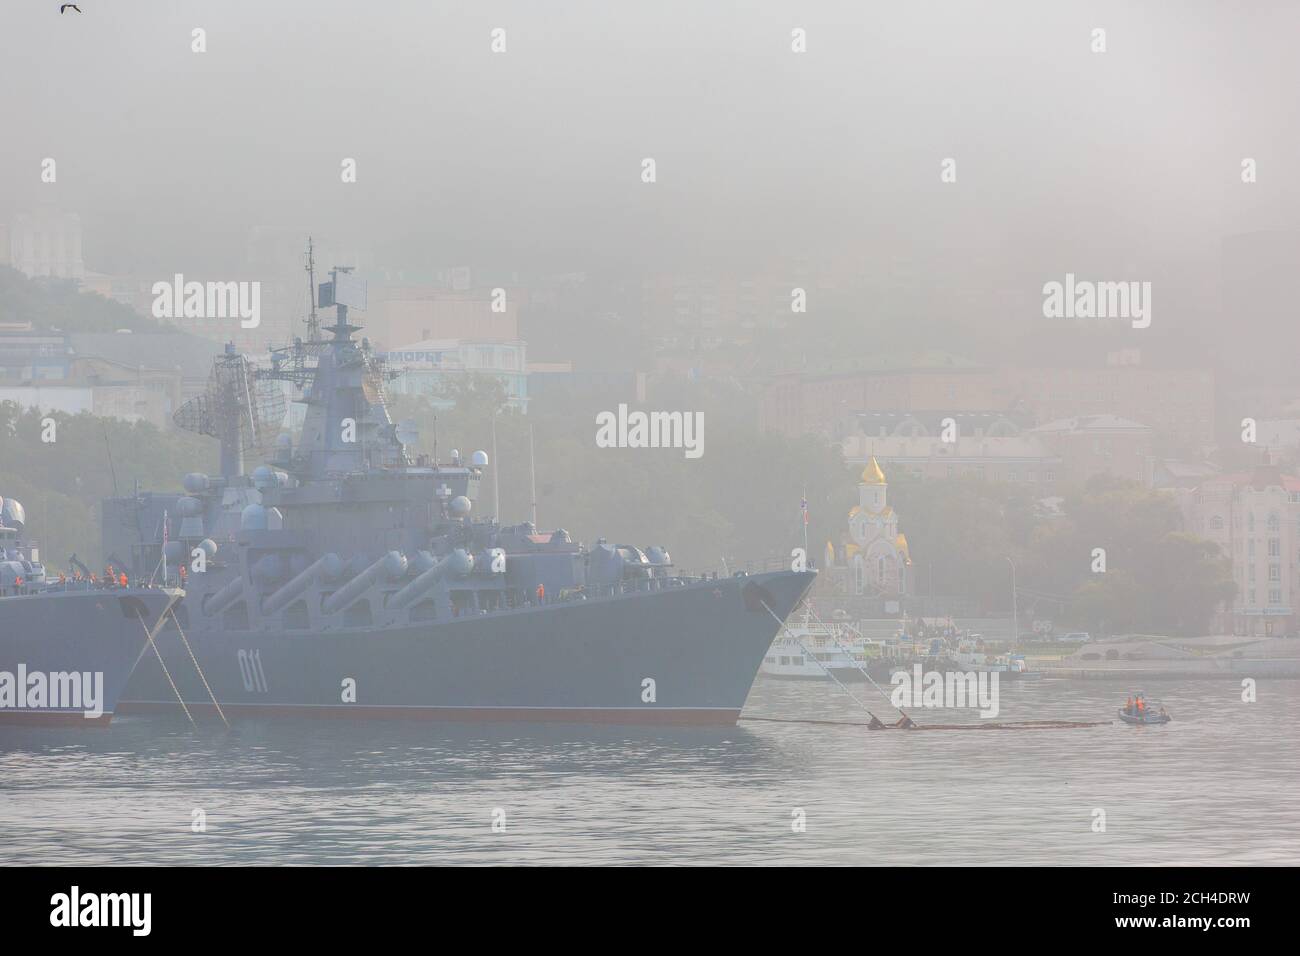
[1220, 785]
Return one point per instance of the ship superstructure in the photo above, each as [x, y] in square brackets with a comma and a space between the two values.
[347, 576]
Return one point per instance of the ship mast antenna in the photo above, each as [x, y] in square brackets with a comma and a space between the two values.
[532, 475]
[109, 448]
[496, 474]
[313, 323]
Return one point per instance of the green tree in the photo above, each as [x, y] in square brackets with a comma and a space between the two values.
[59, 303]
[476, 397]
[1187, 581]
[62, 482]
[960, 533]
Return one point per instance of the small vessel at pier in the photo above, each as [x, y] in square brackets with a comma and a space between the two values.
[971, 656]
[815, 650]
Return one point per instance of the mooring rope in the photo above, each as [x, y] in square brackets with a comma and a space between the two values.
[166, 672]
[825, 670]
[1038, 724]
[849, 653]
[998, 725]
[197, 668]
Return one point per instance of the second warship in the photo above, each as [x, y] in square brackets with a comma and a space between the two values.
[67, 645]
[347, 577]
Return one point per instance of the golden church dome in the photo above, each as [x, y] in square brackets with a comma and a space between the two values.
[872, 475]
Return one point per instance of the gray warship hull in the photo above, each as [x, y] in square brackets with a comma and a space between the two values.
[681, 653]
[64, 635]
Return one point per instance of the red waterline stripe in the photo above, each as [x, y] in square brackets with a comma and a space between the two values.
[572, 715]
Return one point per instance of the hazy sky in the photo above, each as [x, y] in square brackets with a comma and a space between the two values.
[1126, 163]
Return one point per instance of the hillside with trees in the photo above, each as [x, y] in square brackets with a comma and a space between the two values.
[738, 503]
[61, 483]
[50, 303]
[1157, 577]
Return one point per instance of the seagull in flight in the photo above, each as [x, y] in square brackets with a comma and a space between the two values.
[63, 8]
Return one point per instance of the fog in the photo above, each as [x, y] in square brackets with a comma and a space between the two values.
[989, 308]
[1126, 161]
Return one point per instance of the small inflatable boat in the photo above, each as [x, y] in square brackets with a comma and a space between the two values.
[1147, 716]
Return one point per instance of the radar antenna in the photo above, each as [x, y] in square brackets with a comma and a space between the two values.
[239, 407]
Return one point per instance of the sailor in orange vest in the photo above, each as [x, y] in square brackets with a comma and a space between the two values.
[122, 579]
[1141, 706]
[541, 594]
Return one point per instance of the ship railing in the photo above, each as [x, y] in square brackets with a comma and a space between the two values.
[763, 566]
[676, 579]
[728, 570]
[85, 584]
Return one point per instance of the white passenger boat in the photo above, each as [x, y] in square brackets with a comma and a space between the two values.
[809, 650]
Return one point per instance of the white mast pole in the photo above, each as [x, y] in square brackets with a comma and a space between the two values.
[496, 474]
[532, 474]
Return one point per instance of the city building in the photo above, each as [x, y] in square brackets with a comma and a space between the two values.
[706, 311]
[1168, 473]
[966, 424]
[799, 403]
[1089, 445]
[400, 313]
[29, 355]
[1017, 459]
[429, 368]
[1281, 436]
[133, 376]
[1177, 404]
[46, 243]
[995, 446]
[1254, 518]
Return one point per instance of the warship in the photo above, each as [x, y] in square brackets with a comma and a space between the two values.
[67, 646]
[346, 576]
